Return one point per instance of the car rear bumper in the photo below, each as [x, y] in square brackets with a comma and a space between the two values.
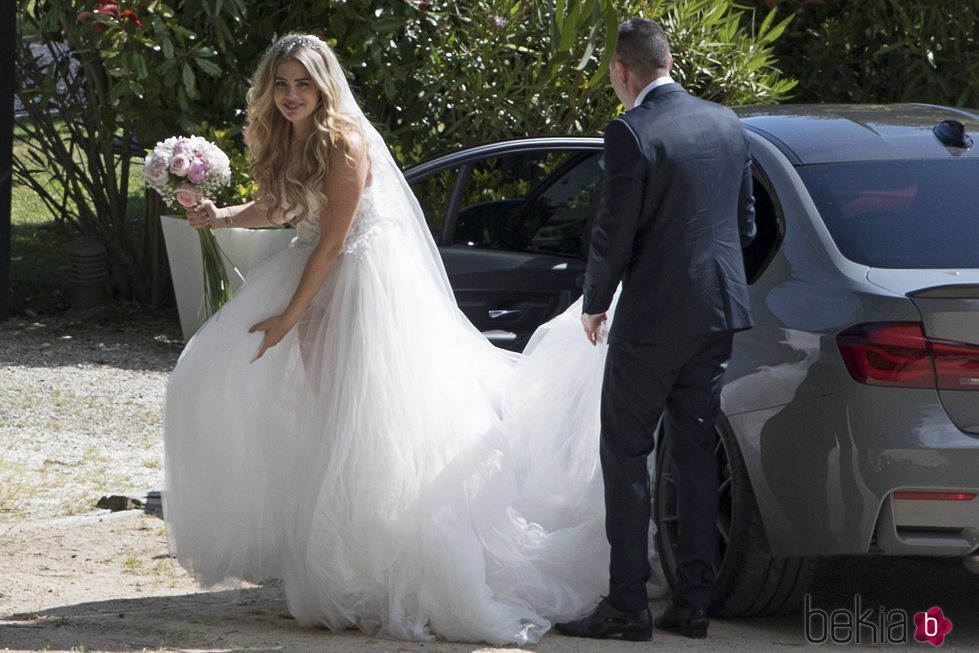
[824, 472]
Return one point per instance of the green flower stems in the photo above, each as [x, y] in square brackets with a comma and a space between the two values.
[217, 287]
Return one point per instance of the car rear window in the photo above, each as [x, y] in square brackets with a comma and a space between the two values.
[900, 214]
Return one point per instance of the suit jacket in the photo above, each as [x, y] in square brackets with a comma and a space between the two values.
[677, 207]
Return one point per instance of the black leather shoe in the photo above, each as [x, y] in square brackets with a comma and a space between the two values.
[692, 622]
[607, 621]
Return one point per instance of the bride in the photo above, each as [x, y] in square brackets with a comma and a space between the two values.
[341, 426]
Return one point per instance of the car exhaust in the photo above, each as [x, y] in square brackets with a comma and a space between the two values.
[971, 562]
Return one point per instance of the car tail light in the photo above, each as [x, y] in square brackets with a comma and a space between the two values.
[898, 354]
[956, 365]
[894, 354]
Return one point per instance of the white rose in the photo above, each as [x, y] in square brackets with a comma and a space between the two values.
[155, 170]
[217, 160]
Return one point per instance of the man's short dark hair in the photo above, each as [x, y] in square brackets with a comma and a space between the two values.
[642, 47]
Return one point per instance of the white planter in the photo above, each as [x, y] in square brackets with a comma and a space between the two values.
[244, 247]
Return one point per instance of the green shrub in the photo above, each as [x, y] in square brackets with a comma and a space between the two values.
[113, 74]
[717, 58]
[433, 74]
[883, 51]
[438, 76]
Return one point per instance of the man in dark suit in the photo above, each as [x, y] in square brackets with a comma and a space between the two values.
[677, 208]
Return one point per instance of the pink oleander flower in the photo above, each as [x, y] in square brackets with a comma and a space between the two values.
[108, 8]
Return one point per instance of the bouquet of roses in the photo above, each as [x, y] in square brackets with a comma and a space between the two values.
[185, 171]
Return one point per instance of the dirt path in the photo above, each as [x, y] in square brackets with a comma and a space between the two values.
[80, 406]
[104, 581]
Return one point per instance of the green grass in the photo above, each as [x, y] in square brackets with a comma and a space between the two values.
[39, 240]
[39, 256]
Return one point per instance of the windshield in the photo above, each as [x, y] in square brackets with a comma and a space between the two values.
[900, 214]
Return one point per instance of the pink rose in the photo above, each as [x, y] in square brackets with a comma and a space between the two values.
[180, 165]
[197, 171]
[187, 197]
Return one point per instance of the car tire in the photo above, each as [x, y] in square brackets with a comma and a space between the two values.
[749, 580]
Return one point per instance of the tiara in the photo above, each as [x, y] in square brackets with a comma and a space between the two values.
[289, 42]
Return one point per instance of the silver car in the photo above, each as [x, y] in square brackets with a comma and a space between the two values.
[850, 413]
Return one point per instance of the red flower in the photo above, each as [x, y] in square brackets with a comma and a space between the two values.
[83, 15]
[131, 16]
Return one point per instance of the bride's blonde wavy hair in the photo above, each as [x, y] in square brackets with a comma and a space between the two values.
[267, 132]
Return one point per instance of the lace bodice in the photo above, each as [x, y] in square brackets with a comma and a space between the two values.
[368, 222]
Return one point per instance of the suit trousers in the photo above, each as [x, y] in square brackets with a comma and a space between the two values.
[680, 380]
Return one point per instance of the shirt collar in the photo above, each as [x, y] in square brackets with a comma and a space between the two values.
[656, 83]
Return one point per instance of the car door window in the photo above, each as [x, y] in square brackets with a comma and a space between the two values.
[433, 194]
[530, 202]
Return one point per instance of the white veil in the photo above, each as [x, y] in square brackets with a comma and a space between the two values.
[383, 163]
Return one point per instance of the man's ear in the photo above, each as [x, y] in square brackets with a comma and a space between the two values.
[621, 70]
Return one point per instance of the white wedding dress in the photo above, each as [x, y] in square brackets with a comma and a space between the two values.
[398, 472]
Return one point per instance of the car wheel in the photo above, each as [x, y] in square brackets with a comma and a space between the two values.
[749, 581]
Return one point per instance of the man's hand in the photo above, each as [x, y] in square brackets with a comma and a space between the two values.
[592, 324]
[275, 329]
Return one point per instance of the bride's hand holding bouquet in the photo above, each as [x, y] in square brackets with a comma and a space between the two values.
[185, 171]
[206, 215]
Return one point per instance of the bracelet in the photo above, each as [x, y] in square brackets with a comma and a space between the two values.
[228, 218]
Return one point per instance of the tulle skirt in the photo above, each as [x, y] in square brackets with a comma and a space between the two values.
[396, 471]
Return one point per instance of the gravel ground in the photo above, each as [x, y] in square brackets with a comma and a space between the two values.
[80, 407]
[80, 417]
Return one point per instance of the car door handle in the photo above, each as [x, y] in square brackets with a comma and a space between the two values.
[495, 336]
[496, 314]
